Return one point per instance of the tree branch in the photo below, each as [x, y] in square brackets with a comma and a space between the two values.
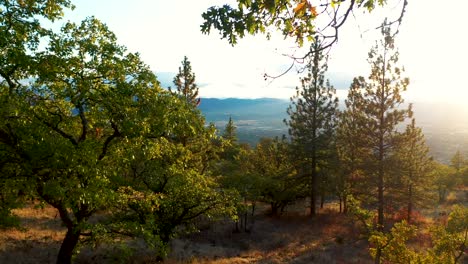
[109, 140]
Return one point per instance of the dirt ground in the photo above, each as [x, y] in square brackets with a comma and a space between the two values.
[292, 238]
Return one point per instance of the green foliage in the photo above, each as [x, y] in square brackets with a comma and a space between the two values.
[445, 180]
[375, 103]
[449, 242]
[170, 184]
[271, 168]
[230, 132]
[416, 183]
[94, 131]
[312, 116]
[293, 18]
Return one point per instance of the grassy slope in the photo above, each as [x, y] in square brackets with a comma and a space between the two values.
[291, 238]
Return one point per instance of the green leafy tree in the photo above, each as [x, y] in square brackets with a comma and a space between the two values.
[20, 36]
[272, 165]
[84, 108]
[300, 19]
[445, 180]
[169, 169]
[379, 102]
[74, 130]
[185, 83]
[312, 120]
[177, 180]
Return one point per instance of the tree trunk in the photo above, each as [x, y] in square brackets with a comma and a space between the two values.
[237, 227]
[410, 203]
[68, 245]
[378, 256]
[345, 204]
[340, 203]
[313, 188]
[252, 222]
[274, 209]
[322, 201]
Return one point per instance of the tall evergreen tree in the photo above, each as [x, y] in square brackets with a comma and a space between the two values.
[185, 83]
[230, 132]
[311, 119]
[416, 167]
[379, 100]
[350, 152]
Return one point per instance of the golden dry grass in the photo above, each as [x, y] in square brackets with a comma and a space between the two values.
[292, 238]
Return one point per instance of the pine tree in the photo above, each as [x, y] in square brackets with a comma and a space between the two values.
[230, 146]
[185, 83]
[416, 167]
[230, 133]
[350, 151]
[379, 100]
[311, 124]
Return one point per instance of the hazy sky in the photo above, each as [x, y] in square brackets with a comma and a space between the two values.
[433, 47]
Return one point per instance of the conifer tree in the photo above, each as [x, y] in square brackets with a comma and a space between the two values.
[185, 83]
[311, 119]
[416, 167]
[231, 148]
[350, 151]
[379, 100]
[230, 133]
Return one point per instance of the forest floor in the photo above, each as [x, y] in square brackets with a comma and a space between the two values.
[292, 238]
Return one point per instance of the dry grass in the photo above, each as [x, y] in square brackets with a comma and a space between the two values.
[39, 238]
[330, 238]
[291, 238]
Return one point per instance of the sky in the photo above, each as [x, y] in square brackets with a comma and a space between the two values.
[432, 44]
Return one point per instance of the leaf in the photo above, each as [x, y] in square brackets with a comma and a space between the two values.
[300, 6]
[313, 10]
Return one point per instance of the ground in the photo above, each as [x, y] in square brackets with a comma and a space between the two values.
[291, 238]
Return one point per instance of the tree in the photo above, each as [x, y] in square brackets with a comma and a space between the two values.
[169, 183]
[445, 180]
[379, 100]
[300, 19]
[185, 83]
[230, 131]
[85, 106]
[271, 163]
[20, 35]
[312, 113]
[457, 161]
[448, 242]
[351, 151]
[460, 164]
[72, 132]
[416, 168]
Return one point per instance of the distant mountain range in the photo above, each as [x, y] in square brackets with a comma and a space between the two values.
[445, 125]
